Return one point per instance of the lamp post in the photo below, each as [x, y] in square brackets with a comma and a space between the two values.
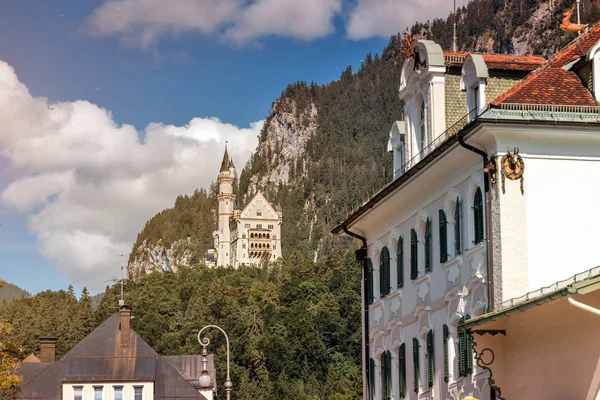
[204, 342]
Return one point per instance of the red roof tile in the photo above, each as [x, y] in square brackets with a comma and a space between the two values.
[550, 83]
[513, 62]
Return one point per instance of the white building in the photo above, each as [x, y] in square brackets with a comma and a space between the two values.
[495, 195]
[247, 236]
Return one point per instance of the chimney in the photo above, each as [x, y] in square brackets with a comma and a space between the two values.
[48, 349]
[124, 325]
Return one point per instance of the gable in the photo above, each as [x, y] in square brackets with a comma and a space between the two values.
[259, 204]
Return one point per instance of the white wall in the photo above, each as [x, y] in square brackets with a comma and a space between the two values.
[88, 390]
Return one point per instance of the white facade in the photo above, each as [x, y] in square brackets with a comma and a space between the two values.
[108, 390]
[248, 236]
[542, 227]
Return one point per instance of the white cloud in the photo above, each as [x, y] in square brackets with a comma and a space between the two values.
[383, 18]
[143, 22]
[88, 185]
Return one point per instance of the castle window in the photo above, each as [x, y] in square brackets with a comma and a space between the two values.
[259, 213]
[428, 245]
[416, 364]
[402, 370]
[430, 359]
[274, 247]
[77, 392]
[243, 245]
[446, 334]
[478, 217]
[243, 236]
[258, 226]
[246, 225]
[98, 392]
[369, 269]
[138, 393]
[465, 350]
[414, 254]
[117, 392]
[457, 249]
[270, 226]
[268, 236]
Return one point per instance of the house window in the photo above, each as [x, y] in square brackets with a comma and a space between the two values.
[428, 245]
[414, 254]
[443, 237]
[138, 393]
[478, 217]
[98, 391]
[446, 335]
[371, 379]
[258, 226]
[402, 370]
[274, 247]
[384, 272]
[246, 225]
[369, 267]
[243, 236]
[416, 364]
[270, 226]
[465, 351]
[430, 359]
[422, 132]
[243, 245]
[400, 263]
[118, 393]
[259, 213]
[386, 375]
[457, 249]
[77, 392]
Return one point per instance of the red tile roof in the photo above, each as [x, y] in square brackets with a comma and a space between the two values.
[550, 83]
[506, 62]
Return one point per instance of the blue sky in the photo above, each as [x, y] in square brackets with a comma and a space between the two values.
[82, 169]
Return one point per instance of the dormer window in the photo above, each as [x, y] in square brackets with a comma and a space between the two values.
[473, 80]
[422, 131]
[593, 55]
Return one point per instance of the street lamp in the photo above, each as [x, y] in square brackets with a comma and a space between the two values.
[204, 342]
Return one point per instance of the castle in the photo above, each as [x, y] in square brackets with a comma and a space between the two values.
[247, 236]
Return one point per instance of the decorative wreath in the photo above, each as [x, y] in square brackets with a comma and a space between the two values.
[513, 167]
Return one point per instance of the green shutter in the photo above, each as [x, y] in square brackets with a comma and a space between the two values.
[371, 379]
[416, 364]
[443, 237]
[457, 249]
[400, 263]
[386, 375]
[428, 245]
[430, 359]
[446, 337]
[478, 216]
[414, 254]
[402, 370]
[469, 350]
[384, 272]
[370, 293]
[462, 351]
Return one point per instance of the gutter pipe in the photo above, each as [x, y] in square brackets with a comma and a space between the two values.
[488, 219]
[582, 306]
[361, 256]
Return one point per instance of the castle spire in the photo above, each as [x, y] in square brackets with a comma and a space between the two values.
[226, 163]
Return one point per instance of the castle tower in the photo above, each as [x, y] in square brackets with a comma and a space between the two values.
[226, 204]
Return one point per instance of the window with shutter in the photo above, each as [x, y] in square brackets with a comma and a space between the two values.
[386, 375]
[402, 370]
[416, 364]
[457, 249]
[446, 336]
[478, 216]
[414, 261]
[430, 359]
[465, 344]
[371, 379]
[428, 245]
[443, 237]
[384, 272]
[400, 263]
[370, 292]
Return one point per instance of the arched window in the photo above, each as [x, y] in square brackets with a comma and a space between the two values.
[414, 254]
[402, 370]
[465, 350]
[478, 217]
[386, 375]
[428, 245]
[370, 294]
[443, 237]
[430, 359]
[422, 131]
[446, 337]
[259, 213]
[416, 364]
[457, 241]
[384, 272]
[400, 263]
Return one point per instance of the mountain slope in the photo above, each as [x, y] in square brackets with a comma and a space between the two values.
[323, 147]
[9, 292]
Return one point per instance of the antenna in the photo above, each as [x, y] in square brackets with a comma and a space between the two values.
[454, 47]
[578, 20]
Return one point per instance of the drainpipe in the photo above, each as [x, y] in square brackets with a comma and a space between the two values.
[582, 306]
[361, 256]
[488, 220]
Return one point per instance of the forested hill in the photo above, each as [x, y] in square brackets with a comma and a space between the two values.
[323, 147]
[10, 292]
